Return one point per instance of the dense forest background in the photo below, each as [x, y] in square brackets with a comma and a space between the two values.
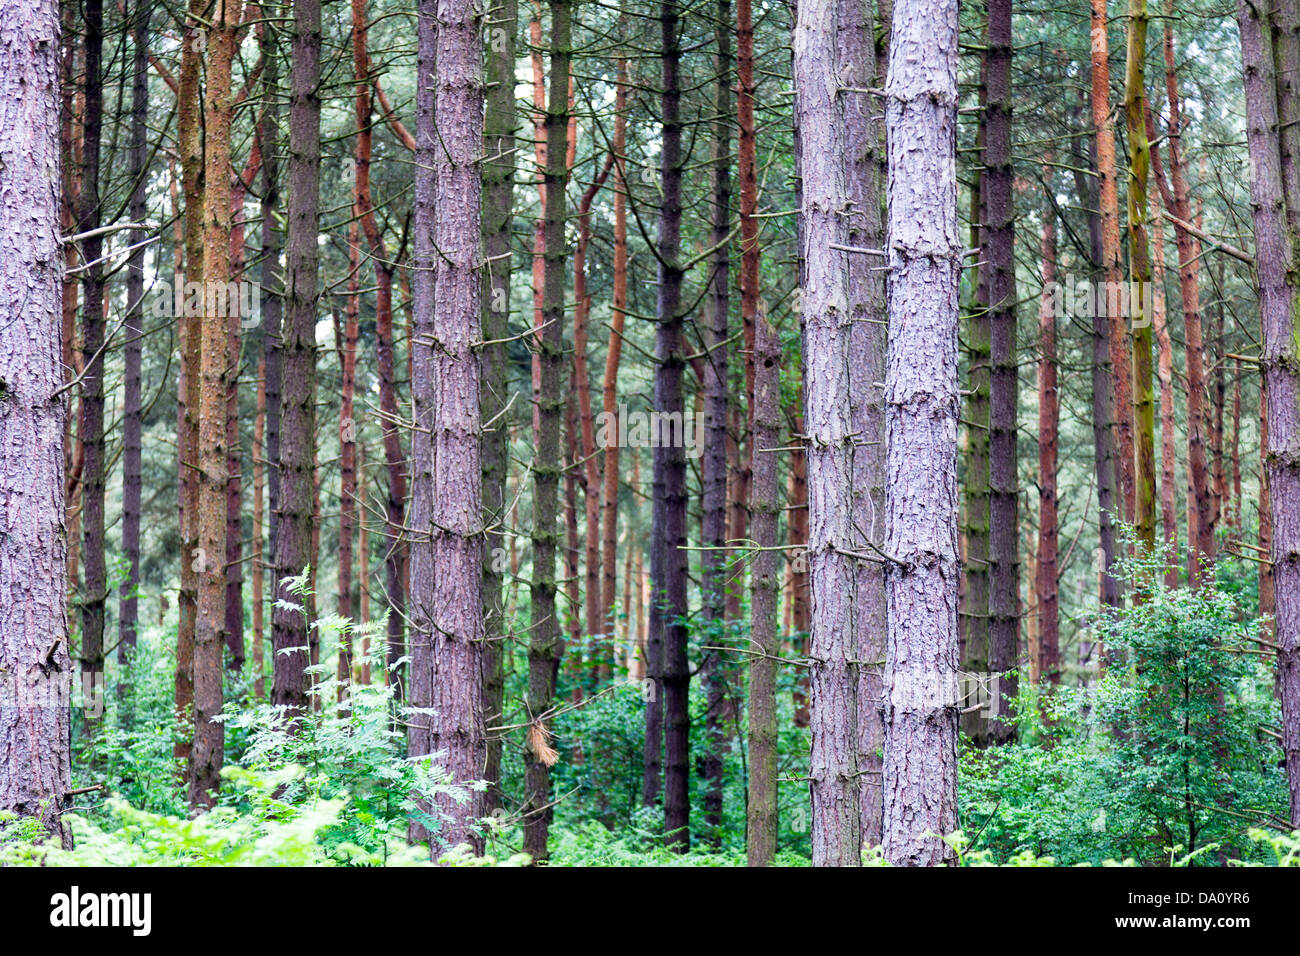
[341, 366]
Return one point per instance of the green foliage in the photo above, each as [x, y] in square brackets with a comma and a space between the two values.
[1163, 761]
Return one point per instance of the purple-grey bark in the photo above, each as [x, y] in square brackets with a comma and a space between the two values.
[1000, 268]
[668, 513]
[90, 427]
[128, 613]
[34, 661]
[843, 314]
[446, 652]
[1276, 210]
[924, 246]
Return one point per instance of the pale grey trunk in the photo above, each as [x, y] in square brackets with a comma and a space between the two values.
[842, 304]
[920, 752]
[35, 666]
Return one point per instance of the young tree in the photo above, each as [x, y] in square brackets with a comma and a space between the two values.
[34, 770]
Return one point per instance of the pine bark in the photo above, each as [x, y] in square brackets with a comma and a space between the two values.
[1108, 199]
[499, 123]
[713, 464]
[1049, 409]
[132, 409]
[1000, 268]
[1276, 209]
[290, 640]
[925, 248]
[90, 426]
[34, 657]
[545, 644]
[1139, 161]
[765, 506]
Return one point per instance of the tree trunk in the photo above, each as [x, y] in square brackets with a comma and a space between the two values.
[259, 530]
[272, 305]
[35, 772]
[210, 633]
[999, 256]
[925, 248]
[90, 427]
[1176, 200]
[1165, 373]
[765, 505]
[1102, 381]
[1108, 198]
[668, 557]
[713, 464]
[614, 350]
[499, 125]
[132, 410]
[1049, 408]
[545, 646]
[290, 640]
[190, 145]
[1139, 158]
[1276, 210]
[452, 669]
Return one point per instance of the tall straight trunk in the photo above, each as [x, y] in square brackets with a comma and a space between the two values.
[132, 410]
[1177, 201]
[272, 290]
[614, 350]
[843, 316]
[602, 646]
[34, 772]
[90, 427]
[290, 640]
[925, 248]
[1108, 200]
[1106, 475]
[973, 610]
[1236, 447]
[798, 524]
[1165, 374]
[1276, 207]
[1049, 410]
[999, 256]
[395, 549]
[865, 172]
[446, 657]
[259, 532]
[765, 506]
[347, 432]
[500, 122]
[545, 646]
[713, 464]
[750, 258]
[1139, 161]
[823, 128]
[234, 489]
[190, 145]
[210, 633]
[668, 557]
